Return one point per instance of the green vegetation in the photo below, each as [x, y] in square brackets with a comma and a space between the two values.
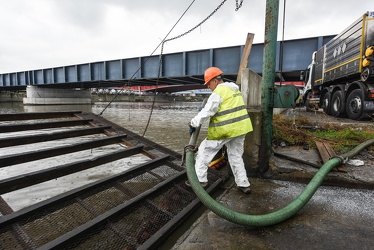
[300, 131]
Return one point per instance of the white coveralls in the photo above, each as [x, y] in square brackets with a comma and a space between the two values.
[209, 148]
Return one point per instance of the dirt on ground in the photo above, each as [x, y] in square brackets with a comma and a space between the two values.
[318, 119]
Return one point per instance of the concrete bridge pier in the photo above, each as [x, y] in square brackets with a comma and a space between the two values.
[54, 96]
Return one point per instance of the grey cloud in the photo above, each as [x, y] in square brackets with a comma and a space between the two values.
[86, 14]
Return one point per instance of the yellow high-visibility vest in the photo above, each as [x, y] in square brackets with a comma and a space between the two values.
[232, 118]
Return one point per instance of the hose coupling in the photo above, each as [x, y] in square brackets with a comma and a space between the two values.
[190, 148]
[342, 159]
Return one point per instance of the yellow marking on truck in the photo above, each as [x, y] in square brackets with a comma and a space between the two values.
[354, 59]
[364, 20]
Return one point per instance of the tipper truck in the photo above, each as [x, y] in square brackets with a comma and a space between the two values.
[340, 79]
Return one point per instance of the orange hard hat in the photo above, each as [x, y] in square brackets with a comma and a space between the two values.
[210, 73]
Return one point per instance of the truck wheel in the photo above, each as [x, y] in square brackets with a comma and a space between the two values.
[337, 104]
[365, 74]
[355, 102]
[326, 103]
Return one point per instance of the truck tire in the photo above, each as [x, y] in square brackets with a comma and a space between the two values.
[326, 103]
[355, 105]
[337, 104]
[365, 74]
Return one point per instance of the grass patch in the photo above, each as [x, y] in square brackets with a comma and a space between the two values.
[301, 130]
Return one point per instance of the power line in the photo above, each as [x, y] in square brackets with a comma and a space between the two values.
[163, 40]
[238, 6]
[171, 39]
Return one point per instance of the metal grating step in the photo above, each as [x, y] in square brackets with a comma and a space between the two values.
[137, 207]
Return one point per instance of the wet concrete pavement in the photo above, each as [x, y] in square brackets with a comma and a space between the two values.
[336, 217]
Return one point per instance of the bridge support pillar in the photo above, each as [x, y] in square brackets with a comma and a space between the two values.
[251, 91]
[53, 96]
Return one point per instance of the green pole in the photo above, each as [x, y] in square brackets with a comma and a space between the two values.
[268, 78]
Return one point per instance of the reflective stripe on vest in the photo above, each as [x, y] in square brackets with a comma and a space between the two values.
[232, 118]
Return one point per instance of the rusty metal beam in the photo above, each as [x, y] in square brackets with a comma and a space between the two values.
[134, 190]
[9, 160]
[37, 115]
[58, 199]
[162, 234]
[75, 234]
[29, 179]
[131, 136]
[41, 125]
[18, 232]
[22, 140]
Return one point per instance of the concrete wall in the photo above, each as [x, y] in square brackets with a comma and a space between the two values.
[251, 91]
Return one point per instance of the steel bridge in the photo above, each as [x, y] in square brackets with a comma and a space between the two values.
[183, 68]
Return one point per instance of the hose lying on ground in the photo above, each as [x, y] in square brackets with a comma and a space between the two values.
[270, 218]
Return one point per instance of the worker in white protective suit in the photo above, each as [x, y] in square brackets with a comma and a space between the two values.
[229, 123]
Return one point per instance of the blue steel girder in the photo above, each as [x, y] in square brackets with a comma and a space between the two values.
[177, 68]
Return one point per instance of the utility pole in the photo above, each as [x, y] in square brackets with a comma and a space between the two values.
[268, 78]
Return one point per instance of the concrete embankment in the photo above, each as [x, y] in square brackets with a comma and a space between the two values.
[12, 96]
[146, 98]
[18, 97]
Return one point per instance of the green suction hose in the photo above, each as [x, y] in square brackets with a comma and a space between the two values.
[274, 217]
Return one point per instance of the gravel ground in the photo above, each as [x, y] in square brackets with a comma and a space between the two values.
[318, 117]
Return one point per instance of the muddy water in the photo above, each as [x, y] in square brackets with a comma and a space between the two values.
[168, 122]
[168, 126]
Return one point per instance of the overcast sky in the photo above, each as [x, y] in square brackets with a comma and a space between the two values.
[37, 34]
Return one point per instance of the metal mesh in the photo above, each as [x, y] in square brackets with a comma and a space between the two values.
[138, 223]
[131, 222]
[46, 226]
[123, 211]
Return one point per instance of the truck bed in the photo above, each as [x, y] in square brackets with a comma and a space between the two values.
[341, 57]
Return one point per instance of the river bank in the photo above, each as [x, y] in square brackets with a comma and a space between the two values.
[19, 95]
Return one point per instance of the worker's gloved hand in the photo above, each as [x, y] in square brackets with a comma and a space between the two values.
[192, 129]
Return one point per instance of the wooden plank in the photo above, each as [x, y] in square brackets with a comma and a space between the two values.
[325, 156]
[332, 153]
[245, 56]
[329, 149]
[326, 152]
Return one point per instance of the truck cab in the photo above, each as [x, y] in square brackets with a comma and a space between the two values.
[307, 76]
